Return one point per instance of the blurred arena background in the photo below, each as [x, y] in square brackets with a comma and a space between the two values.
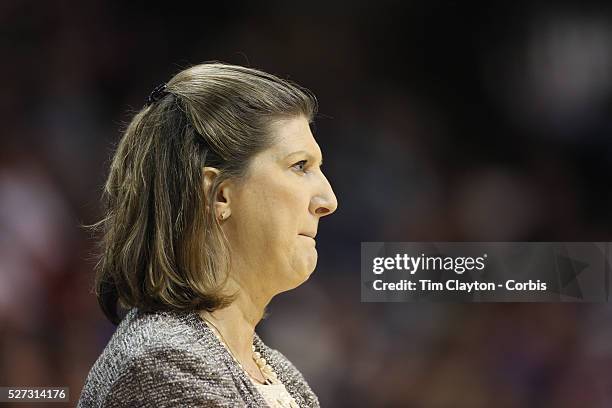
[439, 120]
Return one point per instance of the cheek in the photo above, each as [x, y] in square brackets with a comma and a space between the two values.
[271, 212]
[287, 250]
[283, 204]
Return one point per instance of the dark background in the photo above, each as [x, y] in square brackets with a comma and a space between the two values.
[439, 121]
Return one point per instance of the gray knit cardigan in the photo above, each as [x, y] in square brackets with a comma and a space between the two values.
[173, 359]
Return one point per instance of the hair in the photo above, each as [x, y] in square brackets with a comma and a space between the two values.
[161, 244]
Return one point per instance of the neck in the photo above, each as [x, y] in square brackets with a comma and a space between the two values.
[237, 321]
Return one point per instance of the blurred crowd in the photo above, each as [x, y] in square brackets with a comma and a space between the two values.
[439, 121]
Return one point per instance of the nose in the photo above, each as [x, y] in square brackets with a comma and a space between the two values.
[325, 202]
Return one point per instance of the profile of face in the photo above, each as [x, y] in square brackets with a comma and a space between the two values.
[274, 211]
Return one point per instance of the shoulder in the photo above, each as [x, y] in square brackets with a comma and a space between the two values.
[158, 359]
[167, 376]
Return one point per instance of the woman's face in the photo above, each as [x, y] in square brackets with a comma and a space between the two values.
[275, 211]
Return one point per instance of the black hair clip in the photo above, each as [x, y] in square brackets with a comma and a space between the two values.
[158, 93]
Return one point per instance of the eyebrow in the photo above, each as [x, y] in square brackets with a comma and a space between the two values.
[310, 155]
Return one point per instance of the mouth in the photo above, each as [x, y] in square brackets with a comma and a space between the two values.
[311, 236]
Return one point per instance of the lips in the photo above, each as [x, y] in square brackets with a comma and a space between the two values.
[309, 235]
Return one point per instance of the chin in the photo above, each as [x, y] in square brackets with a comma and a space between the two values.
[309, 268]
[301, 275]
[300, 269]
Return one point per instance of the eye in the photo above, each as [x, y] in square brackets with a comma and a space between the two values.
[300, 166]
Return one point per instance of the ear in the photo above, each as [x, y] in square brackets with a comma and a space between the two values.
[221, 202]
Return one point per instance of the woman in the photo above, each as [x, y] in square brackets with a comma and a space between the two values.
[213, 202]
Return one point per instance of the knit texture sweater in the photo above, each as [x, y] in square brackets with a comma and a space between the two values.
[173, 359]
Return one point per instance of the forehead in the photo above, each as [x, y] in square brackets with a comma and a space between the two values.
[290, 135]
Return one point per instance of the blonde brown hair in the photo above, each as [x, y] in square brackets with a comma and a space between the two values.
[161, 244]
